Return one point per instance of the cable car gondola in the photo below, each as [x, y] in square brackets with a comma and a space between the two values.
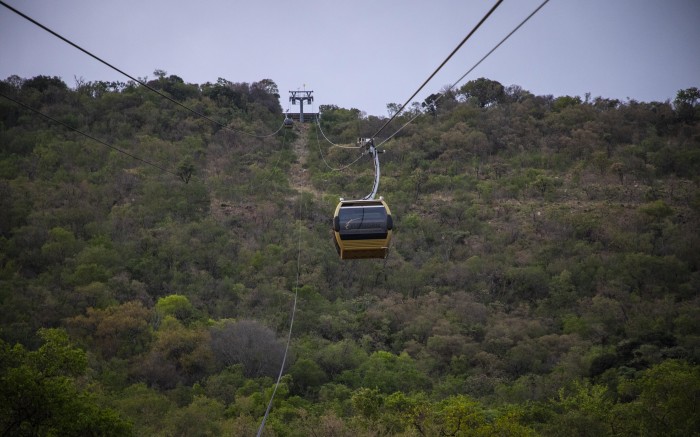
[362, 228]
[288, 122]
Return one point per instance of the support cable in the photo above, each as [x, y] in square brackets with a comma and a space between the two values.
[488, 14]
[291, 323]
[340, 146]
[472, 68]
[318, 122]
[323, 158]
[142, 83]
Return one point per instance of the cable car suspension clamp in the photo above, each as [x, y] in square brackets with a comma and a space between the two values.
[372, 150]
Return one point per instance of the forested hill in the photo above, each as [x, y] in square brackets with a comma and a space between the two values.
[543, 277]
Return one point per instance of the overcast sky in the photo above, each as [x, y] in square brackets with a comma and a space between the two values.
[365, 53]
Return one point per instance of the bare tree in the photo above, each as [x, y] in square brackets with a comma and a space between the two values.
[250, 343]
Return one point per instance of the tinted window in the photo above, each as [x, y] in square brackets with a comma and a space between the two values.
[363, 221]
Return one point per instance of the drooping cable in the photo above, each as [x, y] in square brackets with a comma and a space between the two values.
[488, 14]
[140, 82]
[152, 164]
[341, 146]
[259, 136]
[291, 321]
[323, 158]
[532, 14]
[318, 122]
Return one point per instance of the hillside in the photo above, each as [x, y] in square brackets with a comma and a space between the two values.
[543, 277]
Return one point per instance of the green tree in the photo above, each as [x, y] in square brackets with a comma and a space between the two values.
[667, 400]
[686, 104]
[62, 244]
[44, 83]
[586, 411]
[485, 92]
[368, 402]
[117, 331]
[390, 373]
[307, 376]
[176, 305]
[179, 355]
[147, 408]
[40, 393]
[269, 86]
[202, 418]
[340, 356]
[565, 101]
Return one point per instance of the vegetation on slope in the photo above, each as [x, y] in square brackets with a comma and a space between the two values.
[543, 280]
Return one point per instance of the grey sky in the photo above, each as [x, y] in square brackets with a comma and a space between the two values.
[365, 53]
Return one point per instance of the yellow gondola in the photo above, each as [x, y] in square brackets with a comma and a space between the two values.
[362, 228]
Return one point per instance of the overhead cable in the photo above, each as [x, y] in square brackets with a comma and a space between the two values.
[341, 146]
[472, 68]
[323, 158]
[488, 14]
[291, 322]
[142, 83]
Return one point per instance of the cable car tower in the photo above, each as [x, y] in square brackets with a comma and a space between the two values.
[301, 96]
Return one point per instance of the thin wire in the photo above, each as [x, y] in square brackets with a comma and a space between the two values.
[291, 322]
[331, 142]
[323, 158]
[318, 122]
[401, 128]
[159, 167]
[199, 114]
[440, 66]
[473, 67]
[259, 136]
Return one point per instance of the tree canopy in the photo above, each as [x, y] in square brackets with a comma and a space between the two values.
[543, 277]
